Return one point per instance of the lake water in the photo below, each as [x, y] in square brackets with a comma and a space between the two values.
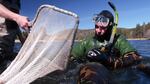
[123, 76]
[143, 46]
[134, 76]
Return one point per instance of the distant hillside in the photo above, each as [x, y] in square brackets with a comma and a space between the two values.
[84, 33]
[141, 31]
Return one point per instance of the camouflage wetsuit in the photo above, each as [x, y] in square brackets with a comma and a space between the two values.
[120, 48]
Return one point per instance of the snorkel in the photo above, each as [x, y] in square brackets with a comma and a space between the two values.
[114, 30]
[109, 46]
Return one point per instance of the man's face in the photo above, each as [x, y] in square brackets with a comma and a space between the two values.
[101, 25]
[100, 29]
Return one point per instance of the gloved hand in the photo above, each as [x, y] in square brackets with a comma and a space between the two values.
[95, 55]
[131, 58]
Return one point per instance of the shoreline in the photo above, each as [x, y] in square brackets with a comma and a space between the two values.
[138, 39]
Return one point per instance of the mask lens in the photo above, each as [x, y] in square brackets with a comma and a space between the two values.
[104, 21]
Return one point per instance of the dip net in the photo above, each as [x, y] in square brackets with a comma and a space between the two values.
[47, 47]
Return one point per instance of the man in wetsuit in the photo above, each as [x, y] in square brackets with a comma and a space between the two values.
[98, 49]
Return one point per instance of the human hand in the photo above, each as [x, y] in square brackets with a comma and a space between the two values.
[95, 55]
[23, 22]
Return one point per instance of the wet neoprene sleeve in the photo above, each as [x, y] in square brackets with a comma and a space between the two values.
[123, 45]
[81, 48]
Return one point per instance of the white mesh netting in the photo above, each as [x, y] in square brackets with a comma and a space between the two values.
[47, 47]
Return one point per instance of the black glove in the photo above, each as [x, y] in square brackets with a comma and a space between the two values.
[95, 55]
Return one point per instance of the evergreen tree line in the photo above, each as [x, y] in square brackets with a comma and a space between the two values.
[140, 31]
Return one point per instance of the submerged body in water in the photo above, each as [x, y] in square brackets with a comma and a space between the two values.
[130, 75]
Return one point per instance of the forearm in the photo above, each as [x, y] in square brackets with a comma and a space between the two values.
[4, 12]
[22, 21]
[127, 60]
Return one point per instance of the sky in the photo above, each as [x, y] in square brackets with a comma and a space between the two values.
[131, 12]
